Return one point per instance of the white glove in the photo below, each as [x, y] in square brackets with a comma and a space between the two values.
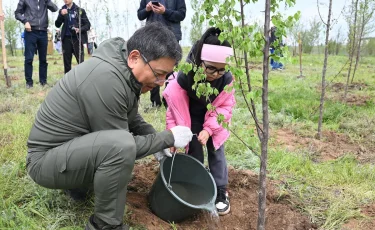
[182, 136]
[163, 153]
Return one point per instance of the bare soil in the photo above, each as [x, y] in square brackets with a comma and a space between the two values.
[351, 98]
[243, 186]
[368, 223]
[338, 87]
[332, 146]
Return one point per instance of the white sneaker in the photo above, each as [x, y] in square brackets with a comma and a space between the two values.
[222, 202]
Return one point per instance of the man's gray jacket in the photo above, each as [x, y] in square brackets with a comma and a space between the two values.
[99, 94]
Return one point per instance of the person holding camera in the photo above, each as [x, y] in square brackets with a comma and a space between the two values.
[34, 16]
[70, 32]
[170, 13]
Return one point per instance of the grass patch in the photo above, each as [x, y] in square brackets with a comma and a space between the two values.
[330, 192]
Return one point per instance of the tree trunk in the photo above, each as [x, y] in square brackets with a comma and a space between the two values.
[352, 48]
[359, 46]
[264, 141]
[321, 107]
[3, 49]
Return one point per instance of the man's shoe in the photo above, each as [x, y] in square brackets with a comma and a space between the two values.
[28, 86]
[222, 202]
[97, 224]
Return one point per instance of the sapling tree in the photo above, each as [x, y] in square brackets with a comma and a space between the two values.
[366, 16]
[321, 107]
[11, 27]
[197, 26]
[246, 42]
[352, 40]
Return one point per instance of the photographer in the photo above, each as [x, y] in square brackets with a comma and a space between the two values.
[170, 13]
[69, 16]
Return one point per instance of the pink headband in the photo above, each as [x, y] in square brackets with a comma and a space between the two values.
[215, 53]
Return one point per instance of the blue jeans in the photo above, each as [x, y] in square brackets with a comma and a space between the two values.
[36, 40]
[275, 64]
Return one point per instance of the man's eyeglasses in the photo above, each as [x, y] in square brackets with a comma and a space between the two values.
[211, 69]
[158, 80]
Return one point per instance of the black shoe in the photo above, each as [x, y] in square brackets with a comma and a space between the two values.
[78, 194]
[28, 86]
[155, 105]
[43, 84]
[222, 201]
[96, 224]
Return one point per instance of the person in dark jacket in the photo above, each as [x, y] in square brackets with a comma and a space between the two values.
[71, 42]
[34, 15]
[88, 130]
[170, 13]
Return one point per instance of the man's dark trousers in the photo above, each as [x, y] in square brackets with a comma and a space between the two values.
[155, 96]
[70, 46]
[36, 40]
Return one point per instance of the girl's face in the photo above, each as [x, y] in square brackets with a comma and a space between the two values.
[213, 70]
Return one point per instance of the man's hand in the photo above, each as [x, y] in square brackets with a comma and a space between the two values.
[1, 17]
[203, 137]
[27, 27]
[182, 136]
[163, 153]
[149, 6]
[77, 30]
[158, 9]
[63, 12]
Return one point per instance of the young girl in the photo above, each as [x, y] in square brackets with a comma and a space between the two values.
[185, 108]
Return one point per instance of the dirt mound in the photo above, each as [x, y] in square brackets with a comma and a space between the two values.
[357, 99]
[338, 87]
[243, 187]
[332, 146]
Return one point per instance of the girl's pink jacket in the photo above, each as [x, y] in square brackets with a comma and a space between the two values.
[178, 111]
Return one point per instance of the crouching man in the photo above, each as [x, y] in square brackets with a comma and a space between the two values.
[88, 130]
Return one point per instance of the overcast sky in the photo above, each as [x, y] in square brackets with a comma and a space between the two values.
[128, 9]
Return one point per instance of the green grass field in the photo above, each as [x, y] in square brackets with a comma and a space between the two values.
[330, 192]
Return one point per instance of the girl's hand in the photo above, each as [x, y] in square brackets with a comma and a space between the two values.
[203, 137]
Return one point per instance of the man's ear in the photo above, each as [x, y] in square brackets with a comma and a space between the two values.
[133, 58]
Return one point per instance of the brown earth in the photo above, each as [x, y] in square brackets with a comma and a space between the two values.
[354, 224]
[242, 188]
[332, 146]
[338, 87]
[351, 99]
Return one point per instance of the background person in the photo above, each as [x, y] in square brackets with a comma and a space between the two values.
[34, 15]
[69, 18]
[170, 13]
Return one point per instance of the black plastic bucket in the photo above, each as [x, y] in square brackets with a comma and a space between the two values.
[193, 189]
